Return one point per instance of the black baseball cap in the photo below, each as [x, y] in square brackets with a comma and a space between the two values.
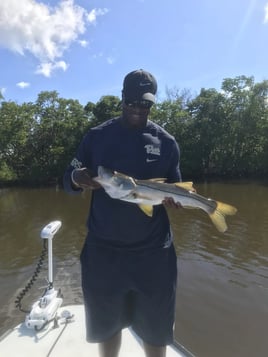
[139, 85]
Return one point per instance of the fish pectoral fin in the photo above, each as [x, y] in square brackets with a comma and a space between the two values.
[218, 216]
[186, 185]
[147, 209]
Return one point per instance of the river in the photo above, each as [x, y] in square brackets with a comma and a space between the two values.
[222, 297]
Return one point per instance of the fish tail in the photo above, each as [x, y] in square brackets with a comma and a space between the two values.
[218, 216]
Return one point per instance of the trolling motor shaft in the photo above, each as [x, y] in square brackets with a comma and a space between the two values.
[44, 310]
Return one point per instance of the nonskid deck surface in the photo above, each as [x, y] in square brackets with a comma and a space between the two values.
[68, 340]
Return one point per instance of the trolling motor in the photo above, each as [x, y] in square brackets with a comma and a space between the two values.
[45, 309]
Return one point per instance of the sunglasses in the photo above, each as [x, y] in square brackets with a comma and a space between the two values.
[143, 104]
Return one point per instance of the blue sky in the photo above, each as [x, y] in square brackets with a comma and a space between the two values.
[83, 48]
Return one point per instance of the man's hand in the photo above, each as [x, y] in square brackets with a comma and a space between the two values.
[168, 202]
[82, 178]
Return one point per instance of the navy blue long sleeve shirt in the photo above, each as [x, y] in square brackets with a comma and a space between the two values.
[145, 153]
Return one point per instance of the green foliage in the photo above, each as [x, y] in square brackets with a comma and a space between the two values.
[220, 133]
[245, 120]
[206, 130]
[40, 138]
[106, 108]
[6, 174]
[15, 130]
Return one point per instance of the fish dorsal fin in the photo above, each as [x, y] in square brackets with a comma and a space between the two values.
[121, 175]
[147, 209]
[125, 177]
[186, 185]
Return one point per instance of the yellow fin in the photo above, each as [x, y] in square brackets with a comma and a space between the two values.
[218, 216]
[186, 185]
[218, 221]
[226, 209]
[147, 209]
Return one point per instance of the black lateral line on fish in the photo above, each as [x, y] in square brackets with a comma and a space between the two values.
[165, 187]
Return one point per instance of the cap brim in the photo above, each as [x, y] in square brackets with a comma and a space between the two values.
[148, 96]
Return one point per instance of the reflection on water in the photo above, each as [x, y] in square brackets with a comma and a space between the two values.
[222, 303]
[222, 299]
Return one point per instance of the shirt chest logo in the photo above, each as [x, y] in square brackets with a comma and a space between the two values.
[152, 150]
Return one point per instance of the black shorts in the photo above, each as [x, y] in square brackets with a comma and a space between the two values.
[129, 288]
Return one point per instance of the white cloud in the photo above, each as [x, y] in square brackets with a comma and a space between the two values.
[23, 85]
[98, 55]
[92, 15]
[2, 92]
[46, 68]
[266, 13]
[110, 60]
[83, 43]
[42, 30]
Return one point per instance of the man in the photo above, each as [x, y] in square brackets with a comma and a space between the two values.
[128, 261]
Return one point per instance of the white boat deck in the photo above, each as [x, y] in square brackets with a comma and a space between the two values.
[68, 340]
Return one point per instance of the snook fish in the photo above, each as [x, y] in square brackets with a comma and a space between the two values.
[147, 193]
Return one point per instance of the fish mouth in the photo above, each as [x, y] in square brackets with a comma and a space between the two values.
[115, 184]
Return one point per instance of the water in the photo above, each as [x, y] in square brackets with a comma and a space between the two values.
[222, 297]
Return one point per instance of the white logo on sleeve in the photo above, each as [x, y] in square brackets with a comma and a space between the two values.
[76, 164]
